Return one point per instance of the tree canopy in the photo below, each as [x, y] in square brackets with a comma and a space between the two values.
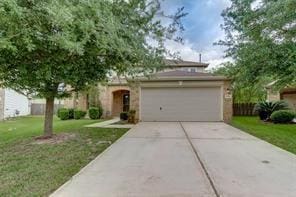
[261, 38]
[46, 45]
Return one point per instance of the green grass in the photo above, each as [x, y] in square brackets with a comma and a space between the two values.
[30, 169]
[281, 135]
[30, 126]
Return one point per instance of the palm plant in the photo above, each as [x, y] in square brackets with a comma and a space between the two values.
[265, 108]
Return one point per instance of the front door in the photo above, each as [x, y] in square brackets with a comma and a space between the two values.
[126, 102]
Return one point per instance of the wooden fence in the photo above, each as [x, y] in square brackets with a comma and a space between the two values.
[244, 109]
[39, 109]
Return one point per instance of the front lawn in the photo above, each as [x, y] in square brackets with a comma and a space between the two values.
[31, 169]
[281, 135]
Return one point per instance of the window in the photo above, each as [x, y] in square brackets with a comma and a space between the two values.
[192, 70]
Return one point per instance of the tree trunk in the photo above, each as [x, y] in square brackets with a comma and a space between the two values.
[48, 117]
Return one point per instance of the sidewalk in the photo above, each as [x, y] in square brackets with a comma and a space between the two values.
[110, 124]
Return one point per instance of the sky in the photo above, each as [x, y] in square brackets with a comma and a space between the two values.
[202, 29]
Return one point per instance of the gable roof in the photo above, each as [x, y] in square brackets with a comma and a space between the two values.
[181, 63]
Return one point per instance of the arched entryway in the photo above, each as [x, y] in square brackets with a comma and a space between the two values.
[121, 102]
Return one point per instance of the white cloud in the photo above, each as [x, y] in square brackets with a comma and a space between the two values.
[214, 2]
[210, 54]
[201, 30]
[256, 4]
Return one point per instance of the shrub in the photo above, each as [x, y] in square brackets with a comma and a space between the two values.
[58, 112]
[282, 116]
[265, 109]
[95, 112]
[78, 114]
[132, 116]
[71, 113]
[63, 114]
[123, 116]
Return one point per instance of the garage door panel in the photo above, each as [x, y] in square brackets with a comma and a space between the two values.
[181, 104]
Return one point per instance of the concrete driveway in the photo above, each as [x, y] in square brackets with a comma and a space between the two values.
[186, 159]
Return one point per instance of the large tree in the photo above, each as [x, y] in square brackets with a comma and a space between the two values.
[46, 45]
[261, 38]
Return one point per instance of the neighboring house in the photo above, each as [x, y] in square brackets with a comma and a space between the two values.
[287, 94]
[13, 104]
[182, 91]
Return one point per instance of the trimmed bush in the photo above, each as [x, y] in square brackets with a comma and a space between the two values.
[265, 109]
[63, 114]
[123, 116]
[58, 112]
[95, 112]
[78, 114]
[71, 113]
[282, 116]
[83, 113]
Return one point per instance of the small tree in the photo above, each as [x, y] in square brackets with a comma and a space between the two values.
[47, 45]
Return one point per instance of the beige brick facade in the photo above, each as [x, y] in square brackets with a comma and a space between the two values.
[110, 97]
[273, 95]
[291, 99]
[135, 100]
[227, 102]
[287, 94]
[107, 99]
[79, 101]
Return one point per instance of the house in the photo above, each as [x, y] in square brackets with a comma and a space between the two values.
[287, 94]
[13, 104]
[182, 91]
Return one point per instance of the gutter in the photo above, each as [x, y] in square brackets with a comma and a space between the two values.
[187, 78]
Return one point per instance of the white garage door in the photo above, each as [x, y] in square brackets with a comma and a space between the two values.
[181, 104]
